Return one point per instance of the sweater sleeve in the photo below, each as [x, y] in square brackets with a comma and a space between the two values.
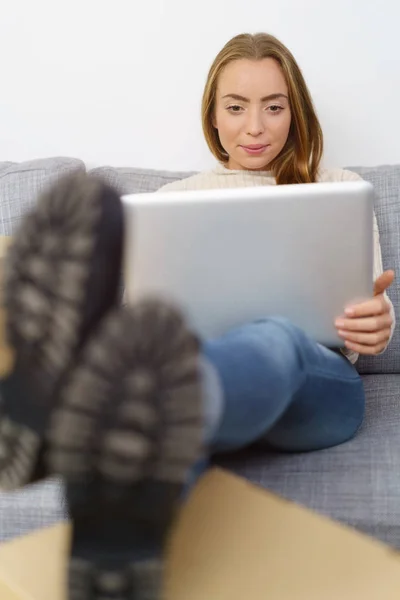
[377, 270]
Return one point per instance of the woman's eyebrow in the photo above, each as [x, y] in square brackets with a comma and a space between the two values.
[265, 99]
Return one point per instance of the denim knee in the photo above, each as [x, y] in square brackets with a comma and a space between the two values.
[292, 337]
[259, 370]
[324, 413]
[328, 408]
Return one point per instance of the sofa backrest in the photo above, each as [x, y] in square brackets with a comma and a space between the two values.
[21, 183]
[135, 181]
[386, 182]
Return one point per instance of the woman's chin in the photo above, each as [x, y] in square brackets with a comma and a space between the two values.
[250, 164]
[255, 165]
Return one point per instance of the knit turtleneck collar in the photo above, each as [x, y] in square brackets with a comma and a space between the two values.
[222, 169]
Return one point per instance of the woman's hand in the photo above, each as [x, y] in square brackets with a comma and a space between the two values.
[366, 327]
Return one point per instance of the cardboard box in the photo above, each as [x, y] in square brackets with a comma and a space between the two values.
[233, 541]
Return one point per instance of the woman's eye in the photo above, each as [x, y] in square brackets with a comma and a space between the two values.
[234, 108]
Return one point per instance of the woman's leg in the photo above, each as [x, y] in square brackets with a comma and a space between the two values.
[278, 385]
[108, 399]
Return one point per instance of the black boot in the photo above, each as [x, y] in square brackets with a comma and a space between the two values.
[106, 397]
[125, 437]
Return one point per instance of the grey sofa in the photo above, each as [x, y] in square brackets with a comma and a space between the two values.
[357, 483]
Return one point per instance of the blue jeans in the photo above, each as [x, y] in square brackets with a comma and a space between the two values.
[279, 386]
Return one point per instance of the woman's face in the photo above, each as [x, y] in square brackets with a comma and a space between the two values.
[252, 113]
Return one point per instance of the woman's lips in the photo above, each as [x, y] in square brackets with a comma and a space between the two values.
[255, 149]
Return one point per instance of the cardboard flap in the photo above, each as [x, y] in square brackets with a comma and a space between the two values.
[4, 244]
[233, 541]
[237, 541]
[6, 354]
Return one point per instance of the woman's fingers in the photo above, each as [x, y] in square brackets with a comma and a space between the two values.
[369, 350]
[375, 306]
[366, 324]
[366, 339]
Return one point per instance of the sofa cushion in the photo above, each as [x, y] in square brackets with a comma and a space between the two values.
[357, 483]
[386, 182]
[133, 181]
[20, 184]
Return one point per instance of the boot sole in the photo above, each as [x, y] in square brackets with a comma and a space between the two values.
[62, 275]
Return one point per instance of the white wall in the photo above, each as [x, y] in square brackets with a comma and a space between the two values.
[120, 82]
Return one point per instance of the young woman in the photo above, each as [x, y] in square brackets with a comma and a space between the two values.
[260, 124]
[119, 401]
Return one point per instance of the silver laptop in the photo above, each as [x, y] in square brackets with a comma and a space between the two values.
[228, 257]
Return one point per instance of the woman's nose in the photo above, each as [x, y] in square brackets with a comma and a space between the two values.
[255, 124]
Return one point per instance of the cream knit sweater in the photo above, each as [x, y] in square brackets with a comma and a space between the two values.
[221, 177]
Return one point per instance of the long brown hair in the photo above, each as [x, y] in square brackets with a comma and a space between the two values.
[299, 160]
